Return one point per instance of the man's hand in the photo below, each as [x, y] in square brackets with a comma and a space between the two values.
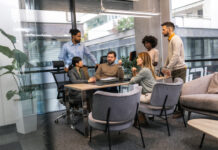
[66, 69]
[120, 62]
[166, 72]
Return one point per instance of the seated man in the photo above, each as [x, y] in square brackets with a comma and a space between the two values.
[110, 69]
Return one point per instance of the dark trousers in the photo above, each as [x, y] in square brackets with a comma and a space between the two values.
[181, 73]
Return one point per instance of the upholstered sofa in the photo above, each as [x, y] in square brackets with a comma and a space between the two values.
[195, 97]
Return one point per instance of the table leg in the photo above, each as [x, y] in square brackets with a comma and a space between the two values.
[82, 124]
[67, 106]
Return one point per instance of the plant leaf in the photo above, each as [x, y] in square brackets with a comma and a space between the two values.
[20, 57]
[8, 72]
[6, 51]
[10, 37]
[10, 94]
[8, 67]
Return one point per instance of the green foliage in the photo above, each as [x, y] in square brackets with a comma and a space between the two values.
[18, 62]
[125, 24]
[10, 37]
[128, 64]
[10, 94]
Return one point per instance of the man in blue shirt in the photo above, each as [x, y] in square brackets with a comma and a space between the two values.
[74, 48]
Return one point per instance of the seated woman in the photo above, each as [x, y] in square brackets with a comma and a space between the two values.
[145, 77]
[77, 75]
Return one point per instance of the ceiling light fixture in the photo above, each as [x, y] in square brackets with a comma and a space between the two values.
[127, 13]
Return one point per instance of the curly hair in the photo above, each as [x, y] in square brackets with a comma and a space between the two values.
[150, 39]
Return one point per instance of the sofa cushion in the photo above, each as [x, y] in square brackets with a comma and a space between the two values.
[213, 86]
[206, 102]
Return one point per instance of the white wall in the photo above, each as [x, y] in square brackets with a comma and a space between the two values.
[10, 23]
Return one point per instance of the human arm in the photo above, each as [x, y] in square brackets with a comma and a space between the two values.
[156, 58]
[142, 74]
[90, 55]
[74, 79]
[134, 71]
[63, 55]
[176, 50]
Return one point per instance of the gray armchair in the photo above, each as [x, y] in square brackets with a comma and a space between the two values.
[195, 97]
[114, 111]
[163, 101]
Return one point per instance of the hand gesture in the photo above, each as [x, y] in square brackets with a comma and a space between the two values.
[120, 62]
[134, 70]
[166, 72]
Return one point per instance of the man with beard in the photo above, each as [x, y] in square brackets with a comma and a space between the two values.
[175, 63]
[75, 48]
[110, 69]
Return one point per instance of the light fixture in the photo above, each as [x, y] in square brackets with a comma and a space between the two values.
[127, 13]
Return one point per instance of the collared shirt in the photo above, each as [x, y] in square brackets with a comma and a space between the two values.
[70, 50]
[171, 36]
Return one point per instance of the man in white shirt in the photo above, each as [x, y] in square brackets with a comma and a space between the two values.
[175, 63]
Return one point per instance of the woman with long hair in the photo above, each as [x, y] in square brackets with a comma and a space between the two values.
[145, 77]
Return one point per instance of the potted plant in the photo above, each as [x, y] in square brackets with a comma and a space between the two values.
[23, 95]
[127, 65]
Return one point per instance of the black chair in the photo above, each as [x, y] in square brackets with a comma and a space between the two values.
[61, 78]
[103, 59]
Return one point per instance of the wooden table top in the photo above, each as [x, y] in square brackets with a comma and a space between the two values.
[92, 86]
[207, 126]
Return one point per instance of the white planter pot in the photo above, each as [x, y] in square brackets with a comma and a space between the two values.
[27, 116]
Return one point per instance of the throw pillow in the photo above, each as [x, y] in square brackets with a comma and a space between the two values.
[213, 86]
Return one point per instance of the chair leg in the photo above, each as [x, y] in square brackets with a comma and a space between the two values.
[168, 129]
[143, 143]
[202, 140]
[90, 132]
[183, 118]
[189, 115]
[109, 138]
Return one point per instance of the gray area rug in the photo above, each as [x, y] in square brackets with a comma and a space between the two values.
[51, 136]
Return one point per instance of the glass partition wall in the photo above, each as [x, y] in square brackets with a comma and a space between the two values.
[42, 27]
[47, 29]
[196, 22]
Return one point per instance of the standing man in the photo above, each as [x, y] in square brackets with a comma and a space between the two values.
[175, 63]
[75, 48]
